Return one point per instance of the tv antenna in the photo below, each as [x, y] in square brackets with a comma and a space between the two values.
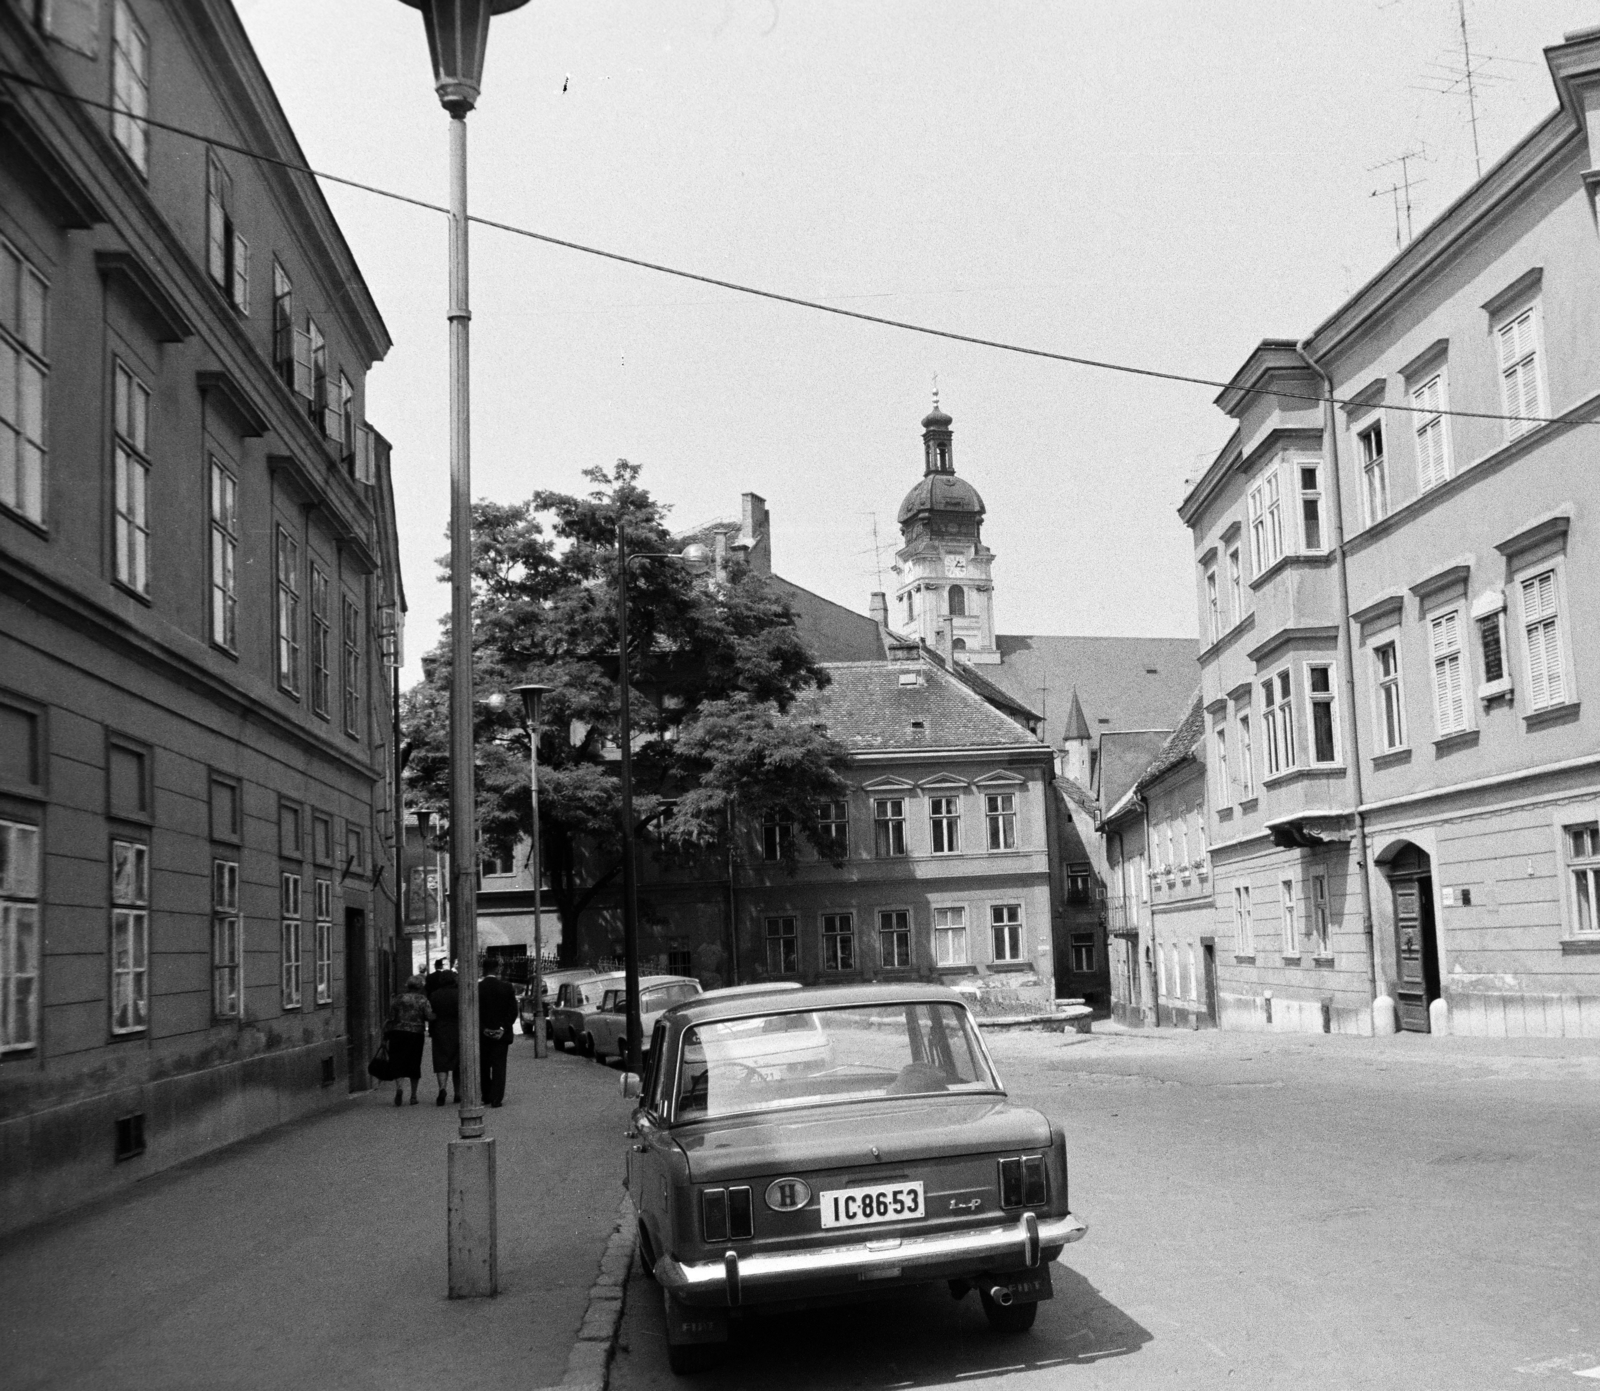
[1404, 185]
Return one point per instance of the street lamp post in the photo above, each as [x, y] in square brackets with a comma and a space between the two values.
[531, 694]
[698, 559]
[458, 36]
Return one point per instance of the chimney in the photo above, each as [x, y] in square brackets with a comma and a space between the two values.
[878, 608]
[755, 535]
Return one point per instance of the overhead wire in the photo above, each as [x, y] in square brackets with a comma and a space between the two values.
[755, 291]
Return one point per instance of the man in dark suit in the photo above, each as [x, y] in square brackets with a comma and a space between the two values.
[497, 1016]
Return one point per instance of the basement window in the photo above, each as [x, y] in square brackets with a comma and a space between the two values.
[130, 1136]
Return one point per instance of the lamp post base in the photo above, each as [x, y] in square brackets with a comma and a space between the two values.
[474, 1246]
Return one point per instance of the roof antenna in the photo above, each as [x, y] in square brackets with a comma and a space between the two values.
[1472, 87]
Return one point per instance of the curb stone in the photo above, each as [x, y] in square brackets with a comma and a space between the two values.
[589, 1363]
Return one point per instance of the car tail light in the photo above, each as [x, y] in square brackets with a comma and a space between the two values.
[726, 1214]
[1010, 1183]
[1033, 1181]
[1022, 1181]
[741, 1218]
[714, 1214]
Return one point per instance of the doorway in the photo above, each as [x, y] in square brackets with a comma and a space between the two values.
[1208, 949]
[355, 996]
[1416, 943]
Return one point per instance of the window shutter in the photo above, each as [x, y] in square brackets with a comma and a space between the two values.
[365, 466]
[241, 274]
[1552, 662]
[1538, 676]
[302, 363]
[75, 23]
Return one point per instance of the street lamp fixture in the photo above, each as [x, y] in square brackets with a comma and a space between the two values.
[697, 560]
[458, 32]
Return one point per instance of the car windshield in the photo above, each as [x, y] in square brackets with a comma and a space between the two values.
[781, 1060]
[665, 996]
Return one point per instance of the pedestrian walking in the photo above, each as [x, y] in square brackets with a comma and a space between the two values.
[444, 994]
[408, 1019]
[442, 970]
[497, 1014]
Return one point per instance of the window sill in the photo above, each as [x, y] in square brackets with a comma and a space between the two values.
[1011, 965]
[1298, 774]
[1291, 960]
[956, 970]
[129, 1035]
[1392, 758]
[22, 519]
[1323, 961]
[1449, 743]
[222, 651]
[129, 591]
[1248, 804]
[1587, 945]
[1224, 813]
[1244, 959]
[1551, 715]
[1307, 560]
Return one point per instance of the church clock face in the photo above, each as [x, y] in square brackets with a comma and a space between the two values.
[955, 565]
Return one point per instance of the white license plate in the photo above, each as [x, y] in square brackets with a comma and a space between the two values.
[878, 1202]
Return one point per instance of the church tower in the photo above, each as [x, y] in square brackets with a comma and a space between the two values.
[944, 594]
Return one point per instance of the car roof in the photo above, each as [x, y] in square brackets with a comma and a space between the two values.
[666, 980]
[704, 1008]
[763, 987]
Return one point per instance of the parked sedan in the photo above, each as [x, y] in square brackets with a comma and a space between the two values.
[833, 1143]
[607, 1027]
[553, 981]
[575, 999]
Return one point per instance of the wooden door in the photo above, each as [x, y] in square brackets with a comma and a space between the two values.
[1209, 949]
[1416, 953]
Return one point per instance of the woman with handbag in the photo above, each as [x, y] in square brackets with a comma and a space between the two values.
[403, 1030]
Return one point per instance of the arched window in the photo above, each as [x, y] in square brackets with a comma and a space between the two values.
[958, 601]
[959, 645]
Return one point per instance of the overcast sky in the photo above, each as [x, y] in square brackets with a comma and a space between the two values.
[1163, 183]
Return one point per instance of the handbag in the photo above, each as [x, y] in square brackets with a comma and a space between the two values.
[382, 1066]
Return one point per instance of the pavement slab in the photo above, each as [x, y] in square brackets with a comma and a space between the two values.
[314, 1255]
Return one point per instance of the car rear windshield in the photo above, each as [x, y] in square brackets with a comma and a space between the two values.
[781, 1060]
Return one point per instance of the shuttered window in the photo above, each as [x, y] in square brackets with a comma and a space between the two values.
[1449, 698]
[1519, 373]
[1433, 446]
[1546, 674]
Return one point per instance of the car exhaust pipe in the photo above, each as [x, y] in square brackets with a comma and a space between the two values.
[1001, 1295]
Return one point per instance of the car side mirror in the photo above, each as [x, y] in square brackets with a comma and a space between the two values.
[630, 1086]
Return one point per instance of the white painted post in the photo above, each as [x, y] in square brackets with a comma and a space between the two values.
[1384, 1018]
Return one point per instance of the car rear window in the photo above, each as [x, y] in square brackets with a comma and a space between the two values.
[807, 1058]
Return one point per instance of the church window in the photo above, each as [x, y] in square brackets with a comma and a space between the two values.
[958, 601]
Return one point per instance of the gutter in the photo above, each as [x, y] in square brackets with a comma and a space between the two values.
[1347, 654]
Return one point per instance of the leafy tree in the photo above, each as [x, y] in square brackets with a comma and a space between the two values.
[716, 668]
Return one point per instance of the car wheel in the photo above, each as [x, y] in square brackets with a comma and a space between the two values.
[557, 1043]
[1008, 1318]
[647, 1253]
[622, 1054]
[586, 1045]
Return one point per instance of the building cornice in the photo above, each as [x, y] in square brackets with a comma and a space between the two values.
[1317, 635]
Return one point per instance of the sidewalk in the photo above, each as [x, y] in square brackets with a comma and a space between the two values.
[314, 1256]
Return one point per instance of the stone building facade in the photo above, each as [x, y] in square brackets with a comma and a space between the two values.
[1397, 579]
[199, 596]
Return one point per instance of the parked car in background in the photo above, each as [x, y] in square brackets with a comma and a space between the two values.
[553, 981]
[607, 1027]
[835, 1143]
[575, 999]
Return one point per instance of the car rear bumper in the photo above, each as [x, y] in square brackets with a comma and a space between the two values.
[759, 1277]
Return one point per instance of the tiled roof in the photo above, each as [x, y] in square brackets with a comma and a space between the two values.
[867, 709]
[1180, 743]
[1113, 678]
[1124, 755]
[832, 632]
[996, 695]
[1077, 724]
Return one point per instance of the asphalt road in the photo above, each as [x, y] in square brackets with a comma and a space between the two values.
[1264, 1212]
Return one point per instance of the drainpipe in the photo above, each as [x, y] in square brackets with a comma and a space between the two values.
[1155, 951]
[1347, 661]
